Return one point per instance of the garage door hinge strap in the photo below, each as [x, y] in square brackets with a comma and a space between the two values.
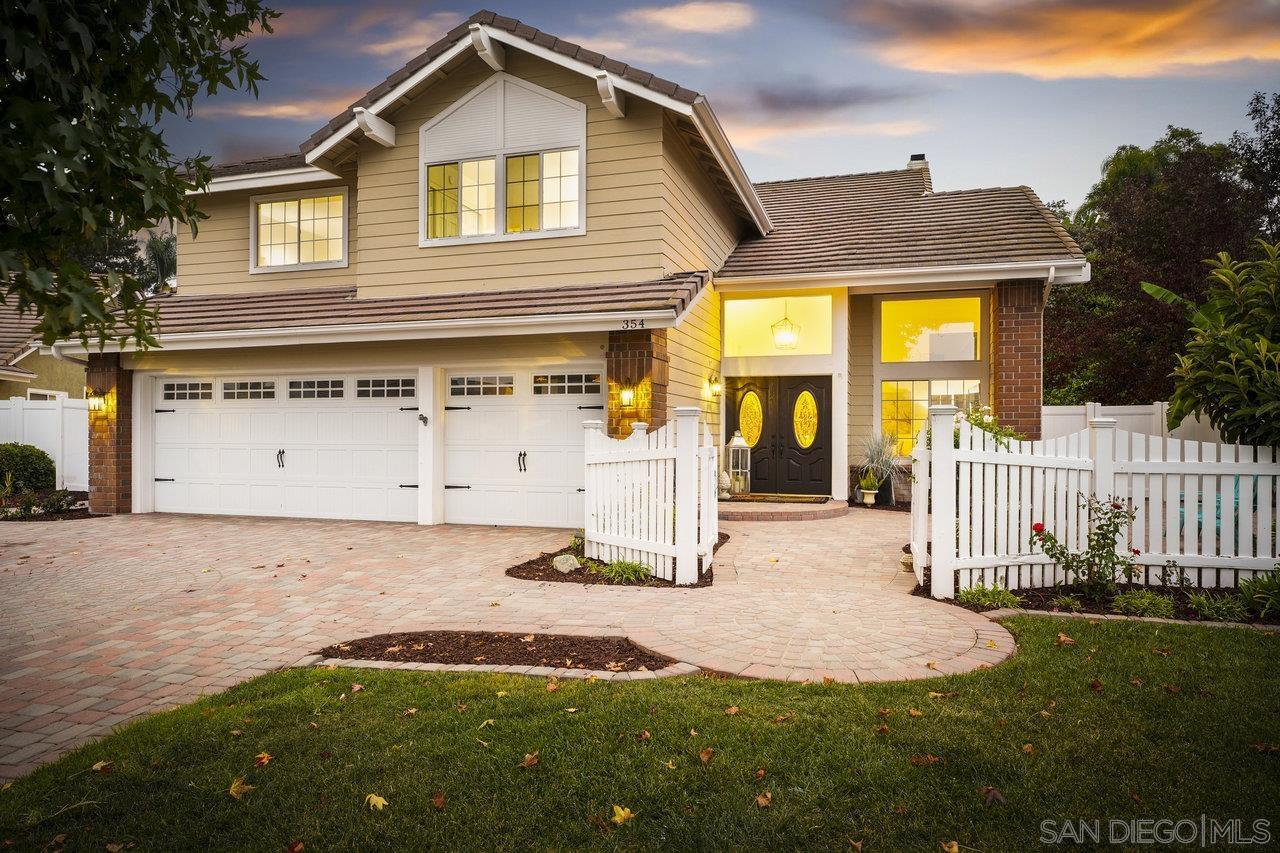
[582, 490]
[408, 408]
[457, 408]
[408, 485]
[580, 408]
[162, 411]
[164, 479]
[457, 487]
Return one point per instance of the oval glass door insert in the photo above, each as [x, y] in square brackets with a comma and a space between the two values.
[804, 420]
[751, 417]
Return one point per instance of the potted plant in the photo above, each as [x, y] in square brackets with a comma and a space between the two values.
[869, 483]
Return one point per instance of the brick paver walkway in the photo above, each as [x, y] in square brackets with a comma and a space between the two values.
[107, 619]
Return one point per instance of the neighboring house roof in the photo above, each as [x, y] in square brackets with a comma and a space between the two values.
[16, 338]
[272, 163]
[338, 306]
[891, 220]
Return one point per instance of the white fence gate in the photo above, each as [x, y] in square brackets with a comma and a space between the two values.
[651, 497]
[58, 427]
[1211, 509]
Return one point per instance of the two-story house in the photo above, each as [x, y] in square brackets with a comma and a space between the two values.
[410, 318]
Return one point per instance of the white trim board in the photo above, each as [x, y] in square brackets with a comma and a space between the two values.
[265, 180]
[1069, 271]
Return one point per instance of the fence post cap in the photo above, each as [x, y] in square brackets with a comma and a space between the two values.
[688, 411]
[593, 424]
[639, 427]
[943, 409]
[1102, 423]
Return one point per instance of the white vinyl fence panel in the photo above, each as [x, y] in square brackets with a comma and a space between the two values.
[58, 427]
[1211, 509]
[1151, 419]
[651, 497]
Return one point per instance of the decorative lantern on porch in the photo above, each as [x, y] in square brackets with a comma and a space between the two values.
[739, 465]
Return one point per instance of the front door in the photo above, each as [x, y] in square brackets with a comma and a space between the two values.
[787, 422]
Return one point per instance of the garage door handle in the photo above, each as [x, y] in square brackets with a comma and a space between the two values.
[164, 411]
[408, 485]
[164, 479]
[520, 461]
[457, 408]
[580, 408]
[408, 408]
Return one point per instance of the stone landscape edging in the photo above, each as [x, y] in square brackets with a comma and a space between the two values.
[1005, 612]
[675, 669]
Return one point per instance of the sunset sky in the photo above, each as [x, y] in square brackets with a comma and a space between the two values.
[996, 92]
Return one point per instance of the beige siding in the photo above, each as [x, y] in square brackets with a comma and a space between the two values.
[453, 352]
[624, 205]
[861, 416]
[51, 374]
[216, 260]
[693, 350]
[698, 228]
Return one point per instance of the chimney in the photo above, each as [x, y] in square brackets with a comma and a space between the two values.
[917, 161]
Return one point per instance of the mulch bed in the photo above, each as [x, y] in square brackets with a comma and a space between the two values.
[540, 569]
[54, 516]
[615, 654]
[1042, 599]
[901, 506]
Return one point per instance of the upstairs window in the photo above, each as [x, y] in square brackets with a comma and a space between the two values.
[461, 199]
[297, 232]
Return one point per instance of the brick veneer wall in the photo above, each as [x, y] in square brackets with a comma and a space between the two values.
[1017, 365]
[110, 435]
[637, 358]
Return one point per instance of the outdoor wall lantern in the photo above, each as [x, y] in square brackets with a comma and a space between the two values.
[715, 385]
[786, 334]
[739, 465]
[627, 394]
[97, 398]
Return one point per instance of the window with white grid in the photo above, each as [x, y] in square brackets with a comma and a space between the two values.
[251, 389]
[315, 389]
[381, 387]
[187, 391]
[482, 386]
[566, 383]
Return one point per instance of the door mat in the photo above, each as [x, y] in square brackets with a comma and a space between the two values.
[776, 499]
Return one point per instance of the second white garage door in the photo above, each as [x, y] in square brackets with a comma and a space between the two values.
[513, 445]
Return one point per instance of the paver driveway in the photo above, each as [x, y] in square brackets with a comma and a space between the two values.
[105, 619]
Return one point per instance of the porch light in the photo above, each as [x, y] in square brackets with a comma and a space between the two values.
[96, 398]
[786, 334]
[627, 394]
[739, 465]
[715, 385]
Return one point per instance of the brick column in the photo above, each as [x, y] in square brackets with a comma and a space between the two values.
[110, 435]
[1017, 348]
[637, 359]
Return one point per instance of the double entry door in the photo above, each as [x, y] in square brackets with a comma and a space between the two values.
[787, 422]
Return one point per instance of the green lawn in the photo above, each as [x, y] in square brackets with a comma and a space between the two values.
[1157, 736]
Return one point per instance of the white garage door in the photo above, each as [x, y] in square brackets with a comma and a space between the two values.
[318, 446]
[513, 445]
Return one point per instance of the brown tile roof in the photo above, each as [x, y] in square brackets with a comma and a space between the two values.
[333, 306]
[891, 220]
[15, 333]
[511, 25]
[272, 163]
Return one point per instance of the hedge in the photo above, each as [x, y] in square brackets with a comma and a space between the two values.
[30, 467]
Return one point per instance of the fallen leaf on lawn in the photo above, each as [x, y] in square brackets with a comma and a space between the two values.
[486, 723]
[238, 787]
[764, 800]
[882, 730]
[992, 795]
[706, 754]
[1133, 795]
[1172, 688]
[949, 846]
[571, 710]
[236, 733]
[693, 732]
[116, 847]
[1029, 749]
[313, 725]
[373, 801]
[900, 809]
[262, 759]
[356, 688]
[483, 743]
[102, 766]
[437, 800]
[948, 695]
[1135, 681]
[1163, 652]
[730, 711]
[461, 706]
[501, 693]
[644, 735]
[760, 773]
[912, 712]
[409, 712]
[621, 815]
[294, 847]
[1045, 714]
[530, 759]
[782, 718]
[592, 678]
[1065, 640]
[925, 760]
[826, 679]
[553, 686]
[1095, 686]
[856, 846]
[670, 765]
[884, 713]
[6, 786]
[1265, 747]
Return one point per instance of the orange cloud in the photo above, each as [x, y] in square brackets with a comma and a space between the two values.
[1053, 39]
[410, 36]
[695, 17]
[772, 137]
[320, 108]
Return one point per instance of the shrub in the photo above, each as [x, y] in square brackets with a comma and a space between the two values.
[30, 467]
[987, 597]
[1143, 602]
[25, 505]
[1261, 594]
[1097, 568]
[576, 545]
[624, 571]
[1216, 608]
[1069, 603]
[59, 501]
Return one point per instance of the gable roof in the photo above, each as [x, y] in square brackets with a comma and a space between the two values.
[695, 119]
[892, 220]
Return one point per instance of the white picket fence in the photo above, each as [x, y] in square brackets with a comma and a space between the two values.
[1211, 509]
[58, 427]
[651, 497]
[1151, 419]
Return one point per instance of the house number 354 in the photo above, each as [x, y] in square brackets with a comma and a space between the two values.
[633, 324]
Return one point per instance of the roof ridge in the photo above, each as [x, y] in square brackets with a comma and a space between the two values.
[835, 177]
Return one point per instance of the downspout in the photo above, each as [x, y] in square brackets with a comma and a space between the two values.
[56, 353]
[1048, 283]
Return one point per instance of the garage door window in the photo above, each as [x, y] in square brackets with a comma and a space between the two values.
[482, 386]
[315, 389]
[383, 387]
[566, 383]
[188, 391]
[250, 390]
